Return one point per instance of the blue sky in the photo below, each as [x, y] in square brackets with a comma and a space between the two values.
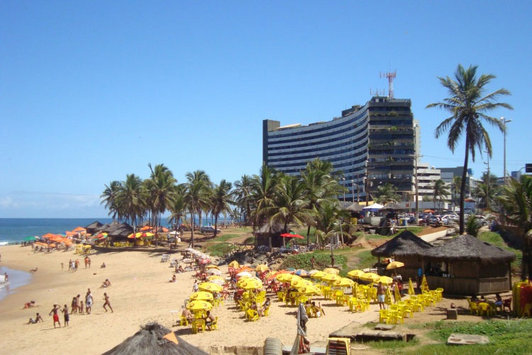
[92, 91]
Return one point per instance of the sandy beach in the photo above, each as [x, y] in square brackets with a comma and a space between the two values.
[140, 293]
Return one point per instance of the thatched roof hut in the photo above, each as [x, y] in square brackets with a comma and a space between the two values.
[150, 340]
[405, 243]
[465, 265]
[119, 231]
[407, 248]
[355, 207]
[269, 235]
[467, 247]
[93, 227]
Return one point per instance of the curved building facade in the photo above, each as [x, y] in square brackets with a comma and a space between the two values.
[371, 145]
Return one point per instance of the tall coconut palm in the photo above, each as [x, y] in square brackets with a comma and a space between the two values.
[161, 191]
[516, 198]
[221, 199]
[262, 196]
[455, 187]
[289, 206]
[329, 222]
[319, 186]
[243, 190]
[440, 192]
[132, 197]
[387, 193]
[110, 198]
[196, 197]
[177, 206]
[469, 108]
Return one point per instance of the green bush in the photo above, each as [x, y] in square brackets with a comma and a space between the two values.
[220, 249]
[302, 261]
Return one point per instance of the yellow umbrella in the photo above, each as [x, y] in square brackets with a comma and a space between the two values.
[296, 282]
[309, 290]
[244, 281]
[318, 275]
[201, 296]
[234, 264]
[331, 270]
[385, 280]
[215, 277]
[199, 305]
[394, 265]
[370, 276]
[284, 277]
[251, 284]
[355, 273]
[262, 268]
[330, 278]
[212, 266]
[210, 287]
[343, 282]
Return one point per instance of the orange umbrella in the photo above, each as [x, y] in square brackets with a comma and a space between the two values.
[79, 229]
[145, 228]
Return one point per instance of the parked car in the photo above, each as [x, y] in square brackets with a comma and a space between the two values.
[209, 229]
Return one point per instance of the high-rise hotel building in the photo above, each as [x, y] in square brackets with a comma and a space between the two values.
[371, 145]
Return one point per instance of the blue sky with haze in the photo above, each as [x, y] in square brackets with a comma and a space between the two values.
[93, 90]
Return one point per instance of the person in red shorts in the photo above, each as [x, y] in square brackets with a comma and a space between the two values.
[56, 316]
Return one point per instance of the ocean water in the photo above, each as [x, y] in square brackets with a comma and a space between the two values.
[14, 230]
[17, 278]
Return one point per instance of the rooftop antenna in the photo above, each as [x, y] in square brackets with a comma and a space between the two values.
[390, 77]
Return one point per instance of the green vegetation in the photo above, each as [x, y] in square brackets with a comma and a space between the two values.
[226, 237]
[366, 259]
[220, 249]
[496, 239]
[322, 257]
[506, 337]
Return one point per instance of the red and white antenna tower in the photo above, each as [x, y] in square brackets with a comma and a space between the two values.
[390, 77]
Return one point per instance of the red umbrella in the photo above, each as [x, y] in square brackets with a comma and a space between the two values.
[290, 235]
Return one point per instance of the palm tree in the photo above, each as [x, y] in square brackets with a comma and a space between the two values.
[329, 222]
[110, 198]
[455, 186]
[220, 201]
[196, 197]
[177, 206]
[262, 196]
[440, 191]
[469, 107]
[319, 186]
[132, 198]
[243, 190]
[516, 198]
[289, 204]
[161, 191]
[387, 193]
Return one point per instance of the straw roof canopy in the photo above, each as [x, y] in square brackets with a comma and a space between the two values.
[467, 247]
[355, 207]
[93, 227]
[149, 340]
[267, 228]
[119, 230]
[404, 244]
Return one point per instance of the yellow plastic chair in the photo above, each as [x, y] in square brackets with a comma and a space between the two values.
[484, 309]
[198, 325]
[384, 316]
[473, 307]
[213, 325]
[281, 296]
[183, 321]
[394, 317]
[252, 315]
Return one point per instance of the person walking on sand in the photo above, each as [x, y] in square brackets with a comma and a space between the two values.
[74, 305]
[88, 301]
[107, 303]
[55, 315]
[66, 315]
[381, 293]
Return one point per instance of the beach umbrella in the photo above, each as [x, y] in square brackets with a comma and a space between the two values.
[284, 277]
[318, 275]
[301, 272]
[199, 305]
[245, 268]
[210, 287]
[243, 274]
[331, 270]
[215, 277]
[292, 235]
[262, 268]
[212, 266]
[344, 282]
[385, 280]
[31, 239]
[370, 277]
[234, 264]
[204, 261]
[312, 272]
[250, 284]
[330, 278]
[298, 281]
[309, 290]
[355, 273]
[218, 282]
[202, 296]
[394, 265]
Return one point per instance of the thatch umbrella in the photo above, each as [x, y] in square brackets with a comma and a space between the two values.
[150, 339]
[121, 230]
[355, 207]
[405, 243]
[467, 247]
[93, 227]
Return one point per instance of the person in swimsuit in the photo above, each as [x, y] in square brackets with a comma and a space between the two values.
[107, 303]
[381, 293]
[55, 315]
[88, 301]
[66, 315]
